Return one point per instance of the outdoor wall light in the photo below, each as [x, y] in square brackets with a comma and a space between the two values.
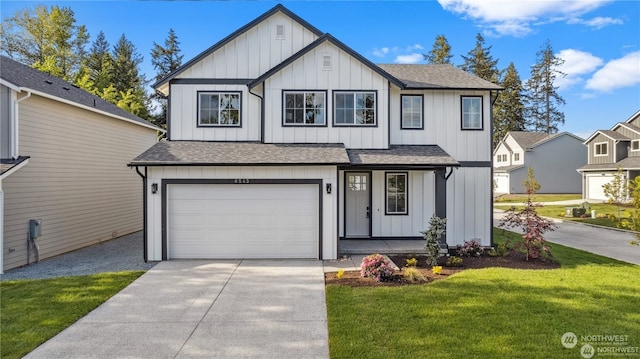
[154, 188]
[328, 187]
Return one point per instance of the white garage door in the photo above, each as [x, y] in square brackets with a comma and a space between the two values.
[242, 221]
[594, 186]
[501, 182]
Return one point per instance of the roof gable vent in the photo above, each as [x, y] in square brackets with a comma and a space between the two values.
[326, 61]
[279, 31]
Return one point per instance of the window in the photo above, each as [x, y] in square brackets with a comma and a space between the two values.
[635, 145]
[357, 183]
[600, 149]
[304, 108]
[516, 157]
[411, 112]
[355, 108]
[397, 193]
[471, 112]
[218, 109]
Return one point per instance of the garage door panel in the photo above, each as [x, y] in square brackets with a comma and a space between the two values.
[243, 221]
[594, 185]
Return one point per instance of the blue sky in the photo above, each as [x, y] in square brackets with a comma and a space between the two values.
[598, 39]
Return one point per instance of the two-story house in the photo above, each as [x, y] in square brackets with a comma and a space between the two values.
[554, 159]
[282, 140]
[64, 181]
[609, 150]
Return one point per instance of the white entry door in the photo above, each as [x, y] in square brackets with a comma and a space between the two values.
[358, 205]
[243, 221]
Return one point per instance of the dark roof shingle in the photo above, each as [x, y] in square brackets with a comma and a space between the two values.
[409, 155]
[430, 76]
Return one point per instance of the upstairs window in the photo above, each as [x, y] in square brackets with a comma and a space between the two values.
[397, 193]
[354, 108]
[305, 108]
[219, 109]
[411, 112]
[600, 149]
[635, 145]
[471, 112]
[516, 156]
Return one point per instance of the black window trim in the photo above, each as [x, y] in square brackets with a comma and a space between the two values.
[326, 109]
[462, 97]
[406, 193]
[333, 108]
[198, 124]
[421, 112]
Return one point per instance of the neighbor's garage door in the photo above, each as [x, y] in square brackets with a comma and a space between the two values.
[594, 186]
[501, 183]
[242, 221]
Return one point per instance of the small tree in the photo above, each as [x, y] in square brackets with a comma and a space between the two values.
[530, 222]
[437, 227]
[617, 191]
[633, 223]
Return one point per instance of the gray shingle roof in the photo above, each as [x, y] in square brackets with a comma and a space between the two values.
[240, 153]
[614, 135]
[527, 140]
[8, 164]
[629, 163]
[422, 76]
[630, 126]
[24, 76]
[403, 155]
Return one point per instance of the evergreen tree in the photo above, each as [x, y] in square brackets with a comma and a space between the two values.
[47, 39]
[508, 110]
[480, 62]
[542, 99]
[98, 63]
[127, 80]
[165, 59]
[440, 53]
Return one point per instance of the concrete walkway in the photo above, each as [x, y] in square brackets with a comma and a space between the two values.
[606, 242]
[206, 309]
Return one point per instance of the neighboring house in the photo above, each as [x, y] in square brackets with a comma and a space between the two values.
[64, 155]
[282, 140]
[554, 159]
[609, 150]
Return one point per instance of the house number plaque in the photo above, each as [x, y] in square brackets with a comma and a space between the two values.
[241, 181]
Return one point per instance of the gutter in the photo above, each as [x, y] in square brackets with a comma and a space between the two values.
[262, 122]
[144, 212]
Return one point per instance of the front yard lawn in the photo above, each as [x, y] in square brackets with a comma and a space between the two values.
[32, 311]
[521, 198]
[489, 313]
[603, 213]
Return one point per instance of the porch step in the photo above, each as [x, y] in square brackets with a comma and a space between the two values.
[364, 246]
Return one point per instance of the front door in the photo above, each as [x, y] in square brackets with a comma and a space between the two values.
[358, 205]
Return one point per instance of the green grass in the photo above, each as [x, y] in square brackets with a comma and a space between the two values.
[489, 313]
[32, 311]
[602, 209]
[518, 198]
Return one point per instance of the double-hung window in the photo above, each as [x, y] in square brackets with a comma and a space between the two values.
[471, 112]
[411, 112]
[305, 108]
[600, 149]
[635, 145]
[397, 193]
[219, 109]
[354, 108]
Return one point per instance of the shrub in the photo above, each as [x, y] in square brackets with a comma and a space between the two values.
[340, 273]
[454, 262]
[436, 269]
[413, 274]
[470, 248]
[377, 267]
[437, 227]
[500, 250]
[412, 262]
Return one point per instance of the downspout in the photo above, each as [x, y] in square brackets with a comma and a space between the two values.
[15, 138]
[144, 212]
[261, 112]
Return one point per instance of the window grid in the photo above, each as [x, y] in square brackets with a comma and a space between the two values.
[471, 112]
[600, 149]
[412, 114]
[304, 108]
[219, 109]
[396, 193]
[355, 108]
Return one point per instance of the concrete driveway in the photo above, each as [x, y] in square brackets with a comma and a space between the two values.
[206, 309]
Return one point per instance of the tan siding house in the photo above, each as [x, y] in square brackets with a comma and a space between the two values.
[76, 180]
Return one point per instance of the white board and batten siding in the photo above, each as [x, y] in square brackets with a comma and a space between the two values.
[469, 205]
[77, 180]
[308, 73]
[281, 196]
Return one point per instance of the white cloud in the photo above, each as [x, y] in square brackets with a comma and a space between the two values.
[381, 52]
[618, 73]
[415, 47]
[597, 22]
[576, 63]
[409, 59]
[515, 18]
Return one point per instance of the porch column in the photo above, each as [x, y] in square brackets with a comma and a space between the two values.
[441, 199]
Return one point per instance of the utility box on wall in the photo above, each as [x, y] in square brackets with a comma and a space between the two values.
[35, 228]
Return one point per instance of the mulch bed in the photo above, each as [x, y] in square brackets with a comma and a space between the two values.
[513, 259]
